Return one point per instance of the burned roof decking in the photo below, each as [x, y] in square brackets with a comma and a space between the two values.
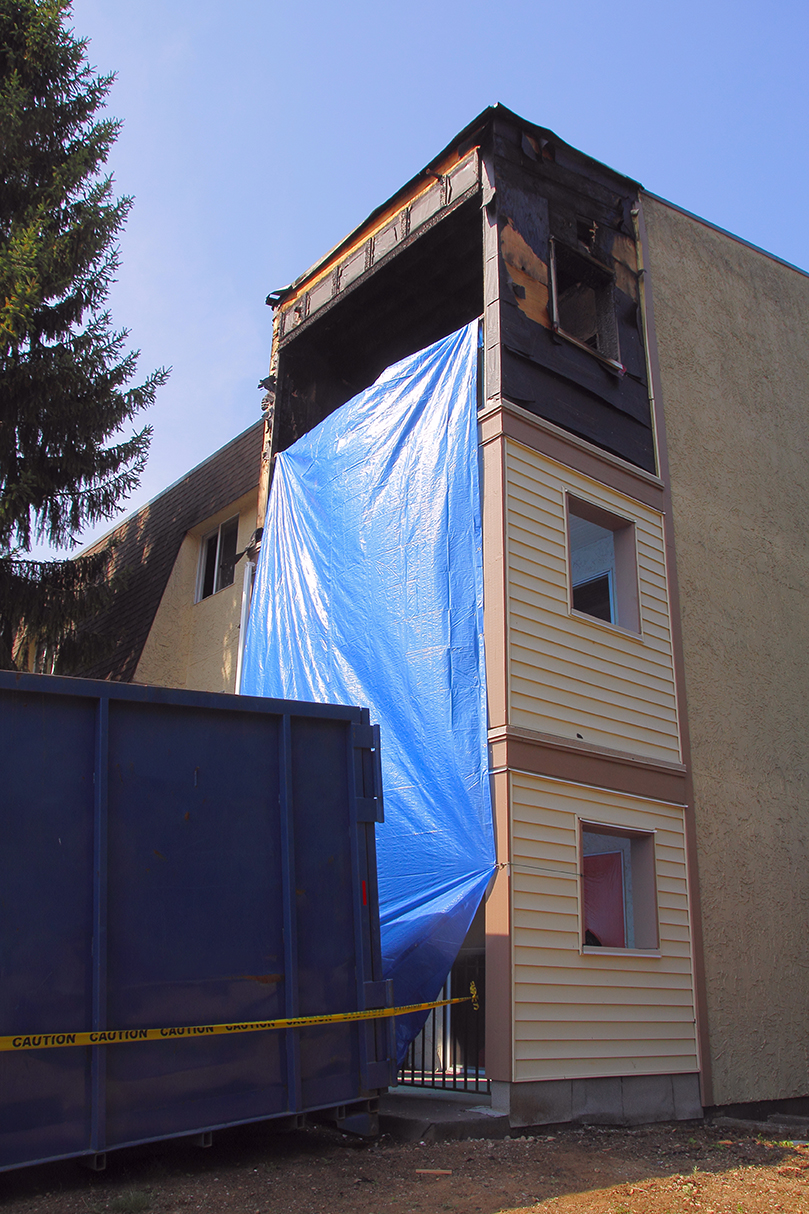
[149, 541]
[380, 216]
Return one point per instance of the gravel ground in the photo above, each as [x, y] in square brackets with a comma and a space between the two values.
[251, 1170]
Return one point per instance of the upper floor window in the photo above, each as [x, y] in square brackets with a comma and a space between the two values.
[217, 566]
[583, 304]
[603, 576]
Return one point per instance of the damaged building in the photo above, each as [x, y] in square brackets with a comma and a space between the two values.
[643, 439]
[643, 444]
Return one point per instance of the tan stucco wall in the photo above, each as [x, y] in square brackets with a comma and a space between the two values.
[731, 329]
[195, 645]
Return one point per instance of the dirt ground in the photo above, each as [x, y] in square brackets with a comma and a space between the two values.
[682, 1169]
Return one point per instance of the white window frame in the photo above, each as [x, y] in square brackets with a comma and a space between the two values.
[203, 548]
[644, 908]
[623, 583]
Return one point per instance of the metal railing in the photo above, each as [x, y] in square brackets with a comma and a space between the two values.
[449, 1052]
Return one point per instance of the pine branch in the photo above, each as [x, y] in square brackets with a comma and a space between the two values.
[66, 393]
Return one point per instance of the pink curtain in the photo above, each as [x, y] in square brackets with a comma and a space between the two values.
[604, 898]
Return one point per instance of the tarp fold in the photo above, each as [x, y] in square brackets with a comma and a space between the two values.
[369, 590]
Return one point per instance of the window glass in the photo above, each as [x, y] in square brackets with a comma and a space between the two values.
[592, 568]
[607, 884]
[229, 534]
[595, 597]
[619, 903]
[218, 559]
[209, 547]
[603, 576]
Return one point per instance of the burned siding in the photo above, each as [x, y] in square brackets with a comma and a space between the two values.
[553, 205]
[570, 342]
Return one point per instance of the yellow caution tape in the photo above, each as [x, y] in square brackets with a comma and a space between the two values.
[50, 1041]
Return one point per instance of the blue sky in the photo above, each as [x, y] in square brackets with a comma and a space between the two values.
[257, 134]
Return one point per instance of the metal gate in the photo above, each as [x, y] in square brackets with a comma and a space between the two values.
[449, 1052]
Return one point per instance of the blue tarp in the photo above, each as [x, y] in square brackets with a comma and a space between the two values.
[369, 590]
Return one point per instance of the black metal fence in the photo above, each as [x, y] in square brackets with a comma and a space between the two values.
[449, 1052]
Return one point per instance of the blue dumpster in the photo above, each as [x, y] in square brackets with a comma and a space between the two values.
[173, 859]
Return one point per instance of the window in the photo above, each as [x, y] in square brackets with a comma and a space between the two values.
[618, 896]
[601, 554]
[217, 566]
[583, 305]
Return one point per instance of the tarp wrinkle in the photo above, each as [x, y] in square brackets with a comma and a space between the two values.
[369, 591]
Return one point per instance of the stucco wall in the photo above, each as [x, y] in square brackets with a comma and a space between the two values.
[195, 645]
[731, 329]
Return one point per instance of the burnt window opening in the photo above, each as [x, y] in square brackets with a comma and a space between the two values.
[584, 309]
[586, 232]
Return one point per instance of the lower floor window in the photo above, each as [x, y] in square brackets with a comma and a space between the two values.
[619, 900]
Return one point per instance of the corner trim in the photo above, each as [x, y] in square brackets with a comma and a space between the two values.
[515, 749]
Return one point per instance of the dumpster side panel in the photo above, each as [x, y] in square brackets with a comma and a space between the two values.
[195, 916]
[46, 910]
[170, 860]
[326, 919]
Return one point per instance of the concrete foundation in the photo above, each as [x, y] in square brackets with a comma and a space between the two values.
[619, 1100]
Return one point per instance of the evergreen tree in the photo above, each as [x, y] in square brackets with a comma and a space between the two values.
[64, 370]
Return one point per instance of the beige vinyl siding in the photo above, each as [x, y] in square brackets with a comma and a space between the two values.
[571, 675]
[617, 1012]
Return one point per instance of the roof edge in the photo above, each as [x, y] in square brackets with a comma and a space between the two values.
[715, 227]
[169, 489]
[477, 127]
